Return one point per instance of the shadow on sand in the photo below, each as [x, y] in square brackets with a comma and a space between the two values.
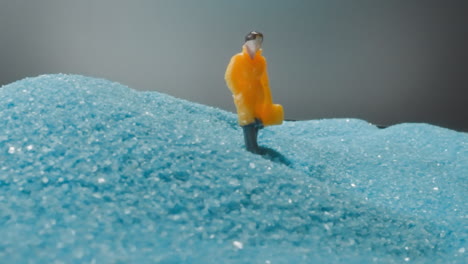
[274, 156]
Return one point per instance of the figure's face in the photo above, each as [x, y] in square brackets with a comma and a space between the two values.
[253, 42]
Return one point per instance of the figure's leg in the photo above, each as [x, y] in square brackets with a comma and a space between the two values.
[258, 124]
[251, 134]
[250, 138]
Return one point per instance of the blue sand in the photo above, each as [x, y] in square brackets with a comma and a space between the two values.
[94, 172]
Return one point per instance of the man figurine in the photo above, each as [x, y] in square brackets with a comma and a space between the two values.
[247, 78]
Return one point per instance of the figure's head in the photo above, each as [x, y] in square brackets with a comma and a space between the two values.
[253, 42]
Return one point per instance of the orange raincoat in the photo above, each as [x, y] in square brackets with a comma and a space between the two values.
[247, 79]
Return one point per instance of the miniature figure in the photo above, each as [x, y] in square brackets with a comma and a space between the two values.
[247, 78]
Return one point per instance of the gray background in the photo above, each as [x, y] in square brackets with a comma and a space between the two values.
[384, 61]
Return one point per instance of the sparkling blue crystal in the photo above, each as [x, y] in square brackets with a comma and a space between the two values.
[92, 171]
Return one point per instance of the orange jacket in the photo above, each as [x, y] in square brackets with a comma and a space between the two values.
[247, 79]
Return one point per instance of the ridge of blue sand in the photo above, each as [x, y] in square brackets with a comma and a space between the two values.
[92, 171]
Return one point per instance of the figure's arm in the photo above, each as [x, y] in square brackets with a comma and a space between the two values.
[266, 85]
[272, 113]
[235, 82]
[232, 75]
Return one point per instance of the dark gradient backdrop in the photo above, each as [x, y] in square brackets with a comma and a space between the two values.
[383, 61]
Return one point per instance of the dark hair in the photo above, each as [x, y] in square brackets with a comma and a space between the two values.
[253, 35]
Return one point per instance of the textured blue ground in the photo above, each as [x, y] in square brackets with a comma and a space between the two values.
[94, 172]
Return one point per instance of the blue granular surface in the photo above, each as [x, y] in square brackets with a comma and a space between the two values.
[92, 171]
